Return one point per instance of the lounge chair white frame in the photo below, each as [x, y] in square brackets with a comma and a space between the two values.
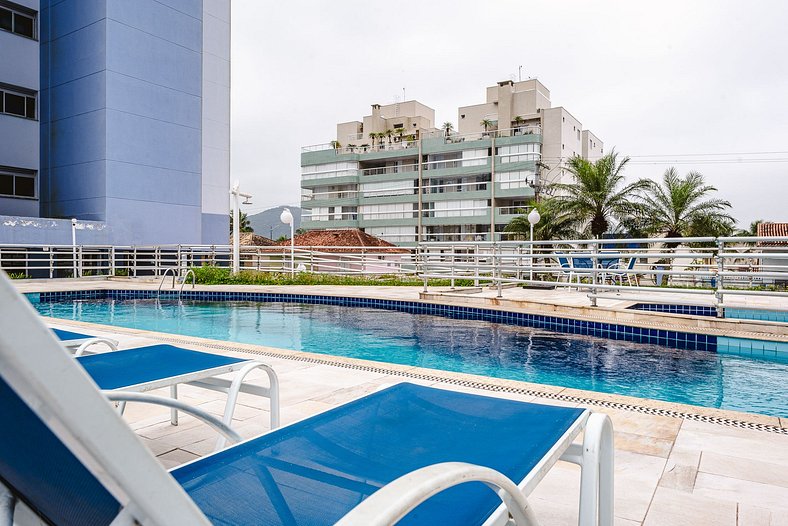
[65, 398]
[79, 345]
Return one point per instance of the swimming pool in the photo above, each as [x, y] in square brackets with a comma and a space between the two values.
[698, 377]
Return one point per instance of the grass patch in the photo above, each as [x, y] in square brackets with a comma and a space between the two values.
[222, 276]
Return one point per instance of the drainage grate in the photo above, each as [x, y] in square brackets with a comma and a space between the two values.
[729, 422]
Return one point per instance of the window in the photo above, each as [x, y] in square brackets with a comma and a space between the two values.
[17, 184]
[519, 179]
[17, 19]
[520, 152]
[16, 102]
[398, 126]
[329, 170]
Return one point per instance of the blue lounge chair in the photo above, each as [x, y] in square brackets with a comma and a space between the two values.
[79, 343]
[70, 458]
[156, 366]
[574, 268]
[626, 272]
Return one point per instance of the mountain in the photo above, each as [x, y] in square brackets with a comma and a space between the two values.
[263, 222]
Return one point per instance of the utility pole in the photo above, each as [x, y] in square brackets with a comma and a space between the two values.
[236, 193]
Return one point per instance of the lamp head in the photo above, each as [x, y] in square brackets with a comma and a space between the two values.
[74, 222]
[534, 216]
[286, 217]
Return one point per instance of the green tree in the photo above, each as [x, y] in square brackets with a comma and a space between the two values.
[682, 207]
[553, 224]
[486, 123]
[752, 231]
[599, 197]
[388, 134]
[518, 121]
[447, 128]
[244, 224]
[336, 145]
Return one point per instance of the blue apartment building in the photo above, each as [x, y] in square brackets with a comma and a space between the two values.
[116, 113]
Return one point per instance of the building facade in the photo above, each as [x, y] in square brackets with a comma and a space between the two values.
[396, 176]
[131, 121]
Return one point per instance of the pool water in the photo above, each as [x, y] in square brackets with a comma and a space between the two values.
[701, 378]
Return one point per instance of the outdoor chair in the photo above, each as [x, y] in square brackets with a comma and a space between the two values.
[574, 268]
[626, 272]
[79, 343]
[66, 453]
[156, 366]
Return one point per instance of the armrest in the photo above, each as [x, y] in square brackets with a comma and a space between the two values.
[218, 425]
[396, 499]
[112, 344]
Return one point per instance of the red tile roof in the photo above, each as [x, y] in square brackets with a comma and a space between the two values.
[773, 230]
[248, 239]
[351, 237]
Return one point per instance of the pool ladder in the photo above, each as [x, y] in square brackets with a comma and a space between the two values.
[175, 273]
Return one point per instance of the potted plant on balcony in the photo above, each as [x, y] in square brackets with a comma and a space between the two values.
[517, 124]
[486, 124]
[336, 145]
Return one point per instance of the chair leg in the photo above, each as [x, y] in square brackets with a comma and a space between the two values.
[596, 479]
[7, 506]
[174, 412]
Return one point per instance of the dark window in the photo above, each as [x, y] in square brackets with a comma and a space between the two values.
[25, 186]
[23, 25]
[18, 104]
[14, 104]
[5, 19]
[6, 184]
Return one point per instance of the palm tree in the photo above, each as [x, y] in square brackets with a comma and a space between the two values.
[336, 145]
[373, 136]
[388, 134]
[487, 123]
[243, 221]
[553, 224]
[752, 231]
[599, 195]
[447, 128]
[518, 121]
[681, 207]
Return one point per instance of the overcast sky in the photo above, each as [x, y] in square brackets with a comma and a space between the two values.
[685, 81]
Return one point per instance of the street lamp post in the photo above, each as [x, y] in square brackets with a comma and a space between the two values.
[287, 218]
[236, 194]
[74, 247]
[533, 218]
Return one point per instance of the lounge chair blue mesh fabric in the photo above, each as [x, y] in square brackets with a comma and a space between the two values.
[316, 471]
[79, 342]
[143, 365]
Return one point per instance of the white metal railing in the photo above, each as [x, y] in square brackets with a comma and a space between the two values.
[663, 270]
[381, 170]
[533, 129]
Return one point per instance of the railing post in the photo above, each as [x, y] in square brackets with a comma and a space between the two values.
[718, 294]
[111, 256]
[51, 262]
[594, 268]
[134, 260]
[79, 261]
[452, 267]
[497, 265]
[476, 266]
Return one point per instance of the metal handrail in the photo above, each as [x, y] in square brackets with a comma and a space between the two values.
[163, 277]
[185, 277]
